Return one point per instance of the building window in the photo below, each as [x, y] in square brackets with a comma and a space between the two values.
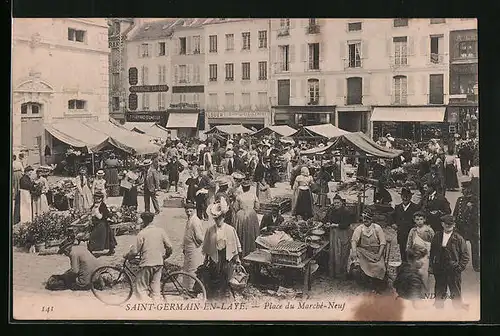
[213, 101]
[162, 101]
[229, 100]
[115, 103]
[263, 70]
[262, 39]
[145, 75]
[354, 26]
[438, 21]
[313, 87]
[196, 74]
[196, 44]
[246, 41]
[245, 100]
[435, 52]
[212, 42]
[354, 91]
[145, 101]
[284, 58]
[212, 72]
[436, 89]
[400, 90]
[283, 92]
[144, 50]
[466, 83]
[263, 101]
[468, 49]
[77, 104]
[229, 41]
[162, 50]
[285, 23]
[115, 81]
[30, 108]
[229, 71]
[196, 99]
[314, 56]
[116, 30]
[400, 22]
[76, 35]
[354, 54]
[162, 74]
[182, 46]
[245, 71]
[182, 74]
[400, 50]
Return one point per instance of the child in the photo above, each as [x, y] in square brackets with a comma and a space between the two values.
[409, 283]
[421, 236]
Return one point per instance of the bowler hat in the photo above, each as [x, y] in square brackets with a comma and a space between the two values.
[448, 219]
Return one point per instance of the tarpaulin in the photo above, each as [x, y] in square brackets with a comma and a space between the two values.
[280, 130]
[229, 129]
[320, 131]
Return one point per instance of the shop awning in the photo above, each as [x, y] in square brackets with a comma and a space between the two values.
[409, 114]
[182, 120]
[75, 134]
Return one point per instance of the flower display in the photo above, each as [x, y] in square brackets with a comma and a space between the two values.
[72, 152]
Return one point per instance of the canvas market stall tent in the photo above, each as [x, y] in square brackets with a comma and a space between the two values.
[228, 130]
[323, 131]
[156, 131]
[277, 130]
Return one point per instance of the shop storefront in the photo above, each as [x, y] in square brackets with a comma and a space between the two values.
[185, 120]
[354, 119]
[249, 119]
[298, 116]
[414, 123]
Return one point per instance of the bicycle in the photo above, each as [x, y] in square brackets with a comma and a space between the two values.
[114, 285]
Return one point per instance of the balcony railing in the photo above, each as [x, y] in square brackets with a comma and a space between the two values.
[284, 31]
[436, 98]
[281, 67]
[313, 101]
[312, 66]
[352, 63]
[399, 100]
[353, 100]
[436, 58]
[313, 29]
[399, 61]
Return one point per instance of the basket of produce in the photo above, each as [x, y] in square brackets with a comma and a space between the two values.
[289, 253]
[280, 204]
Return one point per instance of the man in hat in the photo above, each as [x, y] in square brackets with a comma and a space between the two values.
[466, 213]
[340, 220]
[192, 243]
[173, 168]
[82, 264]
[153, 246]
[151, 186]
[261, 173]
[402, 219]
[228, 164]
[434, 205]
[202, 184]
[448, 258]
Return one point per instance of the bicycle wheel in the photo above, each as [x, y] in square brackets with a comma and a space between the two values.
[183, 286]
[111, 285]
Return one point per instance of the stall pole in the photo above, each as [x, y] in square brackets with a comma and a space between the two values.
[93, 164]
[331, 253]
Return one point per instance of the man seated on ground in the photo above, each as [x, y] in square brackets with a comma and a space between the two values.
[83, 263]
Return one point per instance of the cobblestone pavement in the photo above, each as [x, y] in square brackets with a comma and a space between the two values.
[31, 270]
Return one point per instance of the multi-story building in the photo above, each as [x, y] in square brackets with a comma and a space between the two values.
[394, 71]
[236, 66]
[463, 103]
[117, 34]
[59, 71]
[147, 75]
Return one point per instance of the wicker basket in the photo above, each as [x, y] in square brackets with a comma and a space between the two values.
[289, 253]
[283, 206]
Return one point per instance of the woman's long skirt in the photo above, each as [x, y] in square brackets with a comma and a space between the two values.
[101, 237]
[112, 182]
[130, 197]
[25, 206]
[84, 200]
[40, 205]
[193, 258]
[16, 178]
[16, 214]
[451, 178]
[303, 205]
[246, 224]
[217, 282]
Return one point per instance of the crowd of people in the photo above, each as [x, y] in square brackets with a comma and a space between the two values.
[226, 180]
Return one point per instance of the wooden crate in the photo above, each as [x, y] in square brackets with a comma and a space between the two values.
[289, 253]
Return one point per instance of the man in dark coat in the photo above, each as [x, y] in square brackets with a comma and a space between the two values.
[467, 220]
[270, 221]
[174, 168]
[465, 154]
[434, 205]
[151, 186]
[261, 171]
[202, 186]
[448, 258]
[340, 219]
[402, 217]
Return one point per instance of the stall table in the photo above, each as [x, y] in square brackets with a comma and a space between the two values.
[262, 257]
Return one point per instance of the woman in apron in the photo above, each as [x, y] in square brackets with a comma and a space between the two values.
[83, 195]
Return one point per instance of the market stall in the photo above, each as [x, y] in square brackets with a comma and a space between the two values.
[280, 131]
[228, 131]
[323, 131]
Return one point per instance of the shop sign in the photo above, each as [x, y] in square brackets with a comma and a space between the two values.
[235, 114]
[463, 69]
[149, 88]
[132, 101]
[143, 116]
[133, 76]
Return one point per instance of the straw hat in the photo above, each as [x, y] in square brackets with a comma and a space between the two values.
[100, 173]
[215, 210]
[147, 162]
[223, 182]
[237, 176]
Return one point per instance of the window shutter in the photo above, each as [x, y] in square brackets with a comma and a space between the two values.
[164, 74]
[139, 51]
[322, 86]
[342, 48]
[176, 43]
[176, 74]
[411, 46]
[189, 45]
[293, 87]
[364, 49]
[388, 85]
[292, 23]
[303, 52]
[425, 84]
[340, 87]
[273, 88]
[388, 47]
[322, 50]
[167, 47]
[411, 88]
[189, 73]
[202, 44]
[146, 73]
[424, 44]
[292, 53]
[366, 86]
[158, 97]
[160, 78]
